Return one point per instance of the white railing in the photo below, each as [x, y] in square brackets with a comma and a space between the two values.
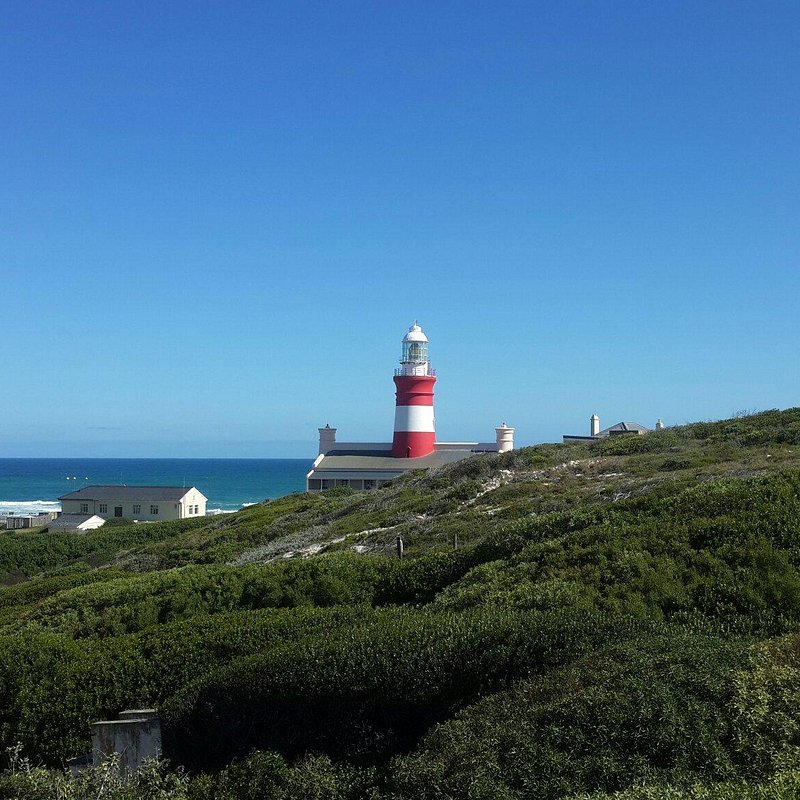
[404, 371]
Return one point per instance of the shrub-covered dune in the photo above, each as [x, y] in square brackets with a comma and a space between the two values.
[613, 619]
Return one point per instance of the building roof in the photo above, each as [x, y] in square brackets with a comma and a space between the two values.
[129, 493]
[383, 461]
[624, 427]
[71, 521]
[614, 430]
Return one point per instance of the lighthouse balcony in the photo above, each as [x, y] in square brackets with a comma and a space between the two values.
[416, 369]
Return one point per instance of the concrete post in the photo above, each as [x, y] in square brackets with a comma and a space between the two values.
[136, 736]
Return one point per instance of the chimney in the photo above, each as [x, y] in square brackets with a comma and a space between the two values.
[659, 425]
[327, 439]
[505, 438]
[594, 425]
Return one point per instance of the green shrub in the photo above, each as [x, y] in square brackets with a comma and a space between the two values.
[374, 690]
[651, 707]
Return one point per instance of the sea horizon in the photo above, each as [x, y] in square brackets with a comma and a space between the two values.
[33, 485]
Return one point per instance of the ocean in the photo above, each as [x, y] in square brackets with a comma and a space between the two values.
[31, 485]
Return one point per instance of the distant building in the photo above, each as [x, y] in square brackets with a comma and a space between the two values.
[16, 521]
[75, 523]
[136, 502]
[367, 465]
[620, 429]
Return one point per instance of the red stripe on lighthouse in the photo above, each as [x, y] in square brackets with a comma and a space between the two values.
[414, 390]
[413, 444]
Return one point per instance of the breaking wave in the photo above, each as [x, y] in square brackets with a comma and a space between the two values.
[28, 506]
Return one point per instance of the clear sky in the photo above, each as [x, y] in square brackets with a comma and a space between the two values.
[218, 219]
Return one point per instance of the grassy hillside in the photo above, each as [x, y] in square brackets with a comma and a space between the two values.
[570, 621]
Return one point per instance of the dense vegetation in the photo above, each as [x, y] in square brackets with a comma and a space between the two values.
[615, 619]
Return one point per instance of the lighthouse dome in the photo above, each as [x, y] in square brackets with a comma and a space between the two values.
[415, 334]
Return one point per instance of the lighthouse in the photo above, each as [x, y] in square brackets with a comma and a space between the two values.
[414, 429]
[370, 465]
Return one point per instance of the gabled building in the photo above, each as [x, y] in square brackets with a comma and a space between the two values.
[367, 465]
[136, 502]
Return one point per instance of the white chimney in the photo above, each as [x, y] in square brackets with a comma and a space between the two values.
[505, 438]
[594, 425]
[327, 439]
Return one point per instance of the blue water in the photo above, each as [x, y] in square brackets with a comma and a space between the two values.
[30, 485]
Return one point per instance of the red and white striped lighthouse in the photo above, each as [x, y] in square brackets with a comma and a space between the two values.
[414, 429]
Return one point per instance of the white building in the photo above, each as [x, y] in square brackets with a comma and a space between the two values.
[136, 502]
[16, 521]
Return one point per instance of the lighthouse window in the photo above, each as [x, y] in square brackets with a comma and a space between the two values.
[415, 351]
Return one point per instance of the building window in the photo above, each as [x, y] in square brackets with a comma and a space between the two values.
[84, 508]
[197, 509]
[154, 509]
[137, 509]
[369, 483]
[103, 508]
[313, 483]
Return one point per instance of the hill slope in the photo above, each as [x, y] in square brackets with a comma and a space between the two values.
[569, 620]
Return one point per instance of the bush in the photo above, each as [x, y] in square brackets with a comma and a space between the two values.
[374, 690]
[651, 707]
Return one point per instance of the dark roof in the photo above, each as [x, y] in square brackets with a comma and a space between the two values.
[129, 493]
[382, 461]
[620, 427]
[625, 427]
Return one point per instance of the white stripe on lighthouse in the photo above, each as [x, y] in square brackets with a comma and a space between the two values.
[414, 418]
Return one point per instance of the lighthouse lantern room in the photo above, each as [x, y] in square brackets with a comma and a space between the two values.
[415, 353]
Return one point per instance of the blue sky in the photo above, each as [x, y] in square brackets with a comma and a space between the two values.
[217, 220]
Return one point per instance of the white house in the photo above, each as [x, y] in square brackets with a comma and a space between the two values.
[136, 502]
